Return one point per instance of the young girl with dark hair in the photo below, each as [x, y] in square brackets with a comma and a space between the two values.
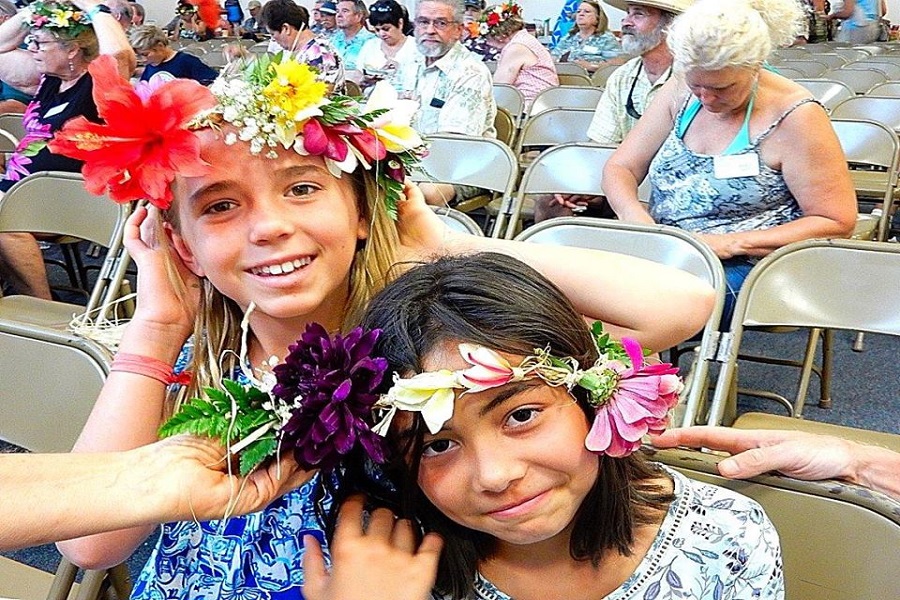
[512, 438]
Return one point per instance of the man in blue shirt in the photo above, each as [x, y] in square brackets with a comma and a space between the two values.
[350, 36]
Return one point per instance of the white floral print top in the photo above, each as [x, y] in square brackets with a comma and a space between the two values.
[713, 544]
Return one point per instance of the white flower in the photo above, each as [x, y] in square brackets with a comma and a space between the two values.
[429, 393]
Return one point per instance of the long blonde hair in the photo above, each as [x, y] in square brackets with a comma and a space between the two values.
[217, 327]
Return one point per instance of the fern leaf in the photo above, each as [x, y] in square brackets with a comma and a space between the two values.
[256, 453]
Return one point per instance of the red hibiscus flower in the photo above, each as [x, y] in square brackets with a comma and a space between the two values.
[143, 143]
[493, 19]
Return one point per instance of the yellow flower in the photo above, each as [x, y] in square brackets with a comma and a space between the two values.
[295, 90]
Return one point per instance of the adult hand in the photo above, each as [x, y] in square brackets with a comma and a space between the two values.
[161, 273]
[379, 561]
[725, 245]
[793, 453]
[195, 471]
[575, 202]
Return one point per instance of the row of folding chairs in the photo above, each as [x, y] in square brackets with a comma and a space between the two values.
[35, 332]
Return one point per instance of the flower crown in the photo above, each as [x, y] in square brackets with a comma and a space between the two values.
[60, 16]
[149, 133]
[320, 402]
[496, 15]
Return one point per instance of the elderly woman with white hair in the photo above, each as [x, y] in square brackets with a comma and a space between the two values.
[737, 154]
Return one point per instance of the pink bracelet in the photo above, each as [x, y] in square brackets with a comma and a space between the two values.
[148, 367]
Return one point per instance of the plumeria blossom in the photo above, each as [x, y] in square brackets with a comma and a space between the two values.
[144, 140]
[638, 405]
[393, 127]
[631, 398]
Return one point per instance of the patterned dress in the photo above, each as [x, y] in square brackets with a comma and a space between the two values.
[713, 544]
[595, 48]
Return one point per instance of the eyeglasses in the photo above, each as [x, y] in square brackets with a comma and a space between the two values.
[629, 104]
[32, 40]
[439, 24]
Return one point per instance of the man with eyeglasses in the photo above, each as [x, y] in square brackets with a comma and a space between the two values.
[453, 86]
[628, 90]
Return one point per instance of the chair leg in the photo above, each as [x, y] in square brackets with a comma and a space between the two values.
[806, 371]
[859, 342]
[120, 579]
[62, 583]
[91, 585]
[827, 364]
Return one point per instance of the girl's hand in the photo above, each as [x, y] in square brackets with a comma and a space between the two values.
[421, 231]
[159, 302]
[378, 561]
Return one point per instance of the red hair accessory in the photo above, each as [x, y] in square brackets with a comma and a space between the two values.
[144, 141]
[209, 11]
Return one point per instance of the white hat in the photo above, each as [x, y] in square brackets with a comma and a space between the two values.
[672, 6]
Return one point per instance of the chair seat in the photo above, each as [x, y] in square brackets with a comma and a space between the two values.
[754, 420]
[36, 311]
[470, 204]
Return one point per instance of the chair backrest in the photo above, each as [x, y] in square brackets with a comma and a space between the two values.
[807, 66]
[574, 79]
[659, 243]
[567, 68]
[829, 284]
[8, 142]
[858, 80]
[831, 60]
[601, 75]
[567, 96]
[505, 125]
[12, 122]
[886, 89]
[838, 541]
[259, 48]
[464, 160]
[885, 58]
[829, 92]
[457, 220]
[195, 49]
[509, 98]
[871, 108]
[851, 54]
[46, 404]
[790, 73]
[868, 144]
[890, 69]
[556, 126]
[791, 53]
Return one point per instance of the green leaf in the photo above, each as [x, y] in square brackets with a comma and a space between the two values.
[257, 452]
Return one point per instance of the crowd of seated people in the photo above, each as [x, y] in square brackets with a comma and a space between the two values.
[736, 154]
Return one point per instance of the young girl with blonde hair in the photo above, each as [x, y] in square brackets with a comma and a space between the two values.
[274, 208]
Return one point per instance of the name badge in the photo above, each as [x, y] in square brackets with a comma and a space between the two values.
[736, 165]
[56, 110]
[590, 49]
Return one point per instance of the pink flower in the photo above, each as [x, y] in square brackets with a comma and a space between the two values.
[639, 405]
[488, 370]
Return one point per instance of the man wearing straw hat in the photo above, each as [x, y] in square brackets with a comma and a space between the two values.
[628, 90]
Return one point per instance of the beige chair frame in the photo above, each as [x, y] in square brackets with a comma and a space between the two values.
[463, 160]
[827, 91]
[838, 541]
[601, 75]
[658, 243]
[891, 70]
[458, 221]
[567, 96]
[511, 99]
[817, 284]
[884, 110]
[808, 66]
[859, 80]
[12, 122]
[574, 79]
[567, 68]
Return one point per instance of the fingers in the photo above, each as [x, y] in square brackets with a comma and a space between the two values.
[726, 439]
[314, 569]
[751, 462]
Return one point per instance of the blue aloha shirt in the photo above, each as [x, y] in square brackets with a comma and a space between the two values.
[714, 544]
[252, 557]
[349, 50]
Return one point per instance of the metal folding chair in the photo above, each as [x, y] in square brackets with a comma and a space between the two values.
[659, 243]
[567, 96]
[827, 91]
[857, 79]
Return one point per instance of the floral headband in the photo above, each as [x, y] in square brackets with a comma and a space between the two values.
[500, 13]
[61, 16]
[320, 402]
[149, 133]
[630, 398]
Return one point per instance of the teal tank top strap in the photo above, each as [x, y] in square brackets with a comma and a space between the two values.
[740, 143]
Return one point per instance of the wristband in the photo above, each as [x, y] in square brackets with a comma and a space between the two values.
[97, 8]
[148, 367]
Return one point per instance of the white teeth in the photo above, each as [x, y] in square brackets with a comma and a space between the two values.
[282, 269]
